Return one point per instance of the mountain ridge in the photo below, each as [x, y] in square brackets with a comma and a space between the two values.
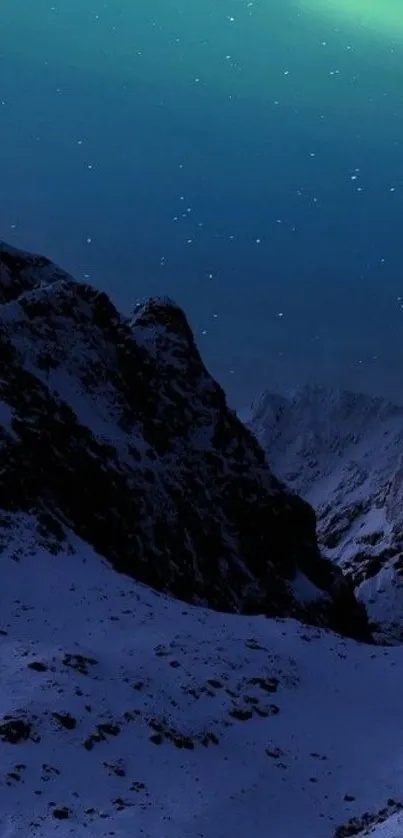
[123, 436]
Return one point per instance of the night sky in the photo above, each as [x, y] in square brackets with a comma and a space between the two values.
[242, 156]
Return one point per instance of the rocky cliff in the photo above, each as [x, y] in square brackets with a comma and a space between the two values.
[112, 428]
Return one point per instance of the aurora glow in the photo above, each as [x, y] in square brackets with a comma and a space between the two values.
[384, 19]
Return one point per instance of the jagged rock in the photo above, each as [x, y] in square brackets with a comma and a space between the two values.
[113, 428]
[343, 452]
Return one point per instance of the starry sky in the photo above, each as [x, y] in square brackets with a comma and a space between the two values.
[242, 156]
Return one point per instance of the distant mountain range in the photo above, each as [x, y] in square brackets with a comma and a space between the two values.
[343, 452]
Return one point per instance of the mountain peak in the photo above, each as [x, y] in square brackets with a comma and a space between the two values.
[21, 271]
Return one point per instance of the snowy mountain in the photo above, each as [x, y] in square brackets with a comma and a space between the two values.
[343, 452]
[125, 712]
[112, 428]
[180, 697]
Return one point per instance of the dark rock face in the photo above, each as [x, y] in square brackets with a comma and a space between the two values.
[113, 428]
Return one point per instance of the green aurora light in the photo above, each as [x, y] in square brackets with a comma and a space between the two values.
[381, 18]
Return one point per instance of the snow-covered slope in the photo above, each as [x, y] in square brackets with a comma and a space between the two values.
[124, 712]
[127, 712]
[343, 452]
[113, 427]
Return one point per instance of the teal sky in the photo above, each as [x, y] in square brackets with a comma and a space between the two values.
[243, 157]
